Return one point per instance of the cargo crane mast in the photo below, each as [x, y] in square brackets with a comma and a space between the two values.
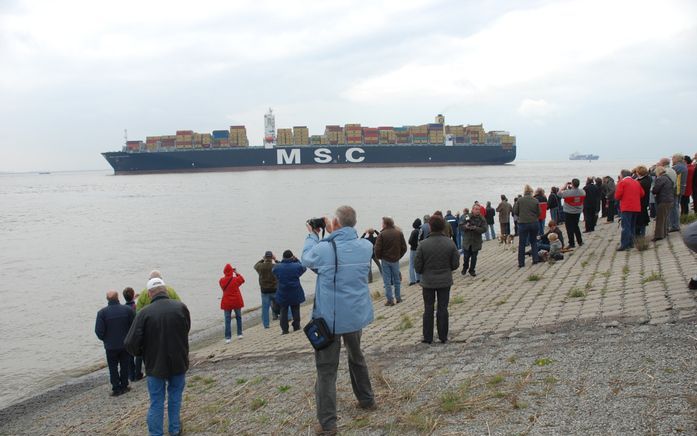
[269, 129]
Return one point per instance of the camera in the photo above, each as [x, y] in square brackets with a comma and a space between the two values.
[468, 218]
[316, 223]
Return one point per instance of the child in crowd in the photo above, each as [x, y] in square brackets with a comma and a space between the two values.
[555, 247]
[129, 295]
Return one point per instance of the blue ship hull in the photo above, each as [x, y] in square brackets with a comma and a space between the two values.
[319, 156]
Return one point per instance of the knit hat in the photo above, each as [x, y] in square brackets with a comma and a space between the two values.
[154, 283]
[287, 254]
[268, 254]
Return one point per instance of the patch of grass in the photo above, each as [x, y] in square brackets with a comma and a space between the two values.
[405, 323]
[380, 318]
[625, 269]
[544, 361]
[689, 218]
[256, 380]
[361, 422]
[450, 402]
[534, 278]
[584, 263]
[517, 404]
[241, 381]
[577, 293]
[512, 359]
[606, 274]
[457, 300]
[551, 380]
[420, 421]
[501, 302]
[652, 277]
[499, 394]
[258, 403]
[283, 388]
[208, 380]
[495, 380]
[376, 295]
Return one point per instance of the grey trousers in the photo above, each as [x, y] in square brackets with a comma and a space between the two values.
[327, 363]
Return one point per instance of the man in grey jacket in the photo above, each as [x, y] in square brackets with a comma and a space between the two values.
[528, 210]
[436, 258]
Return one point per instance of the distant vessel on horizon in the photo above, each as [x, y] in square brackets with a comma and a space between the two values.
[577, 156]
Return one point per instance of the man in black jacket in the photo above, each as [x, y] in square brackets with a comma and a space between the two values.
[591, 205]
[111, 327]
[160, 334]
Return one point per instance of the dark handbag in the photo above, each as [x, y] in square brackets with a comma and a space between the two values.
[317, 330]
[318, 333]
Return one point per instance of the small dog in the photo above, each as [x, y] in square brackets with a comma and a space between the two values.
[506, 239]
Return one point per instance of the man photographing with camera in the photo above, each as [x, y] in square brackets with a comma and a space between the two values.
[341, 261]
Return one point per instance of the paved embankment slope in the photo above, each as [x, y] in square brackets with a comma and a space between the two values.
[602, 342]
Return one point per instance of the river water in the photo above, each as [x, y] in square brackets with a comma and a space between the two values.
[69, 237]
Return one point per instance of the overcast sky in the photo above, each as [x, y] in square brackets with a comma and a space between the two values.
[609, 77]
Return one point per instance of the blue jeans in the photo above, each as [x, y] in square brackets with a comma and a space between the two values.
[228, 319]
[674, 217]
[266, 300]
[554, 213]
[628, 229]
[490, 232]
[156, 414]
[541, 227]
[390, 276]
[413, 275]
[527, 233]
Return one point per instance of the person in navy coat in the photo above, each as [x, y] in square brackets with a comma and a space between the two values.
[290, 292]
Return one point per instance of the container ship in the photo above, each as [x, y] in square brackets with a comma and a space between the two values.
[351, 145]
[577, 156]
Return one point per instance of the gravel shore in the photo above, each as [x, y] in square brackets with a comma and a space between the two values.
[600, 343]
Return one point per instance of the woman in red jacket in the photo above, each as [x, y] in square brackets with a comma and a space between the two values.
[232, 300]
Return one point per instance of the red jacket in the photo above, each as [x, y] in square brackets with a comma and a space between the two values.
[230, 284]
[543, 211]
[629, 193]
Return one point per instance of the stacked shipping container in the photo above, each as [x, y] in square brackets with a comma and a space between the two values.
[301, 135]
[354, 134]
[238, 136]
[350, 134]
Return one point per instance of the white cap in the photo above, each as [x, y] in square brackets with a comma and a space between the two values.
[155, 282]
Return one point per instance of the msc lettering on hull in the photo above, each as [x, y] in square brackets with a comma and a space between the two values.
[321, 155]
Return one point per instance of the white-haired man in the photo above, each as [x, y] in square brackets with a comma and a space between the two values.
[160, 334]
[341, 261]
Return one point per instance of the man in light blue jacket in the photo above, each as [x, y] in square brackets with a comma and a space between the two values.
[342, 298]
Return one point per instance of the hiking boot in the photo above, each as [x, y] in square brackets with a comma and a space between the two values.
[319, 431]
[370, 406]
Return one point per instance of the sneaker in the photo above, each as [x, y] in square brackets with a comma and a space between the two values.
[240, 336]
[389, 303]
[473, 274]
[227, 341]
[412, 283]
[399, 300]
[284, 332]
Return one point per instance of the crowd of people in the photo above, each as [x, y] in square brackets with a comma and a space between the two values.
[152, 327]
